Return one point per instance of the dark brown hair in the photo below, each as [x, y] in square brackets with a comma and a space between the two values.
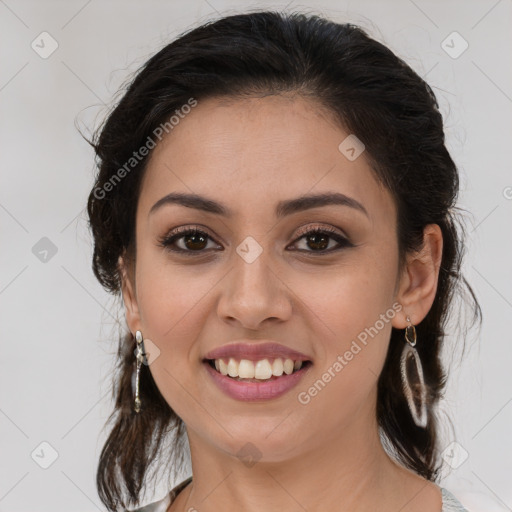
[375, 96]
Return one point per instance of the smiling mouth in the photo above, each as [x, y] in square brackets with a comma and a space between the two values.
[264, 370]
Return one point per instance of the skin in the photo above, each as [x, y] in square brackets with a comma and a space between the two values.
[249, 154]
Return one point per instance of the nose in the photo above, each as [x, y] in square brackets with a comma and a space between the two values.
[254, 294]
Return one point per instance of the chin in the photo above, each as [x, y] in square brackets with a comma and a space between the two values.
[267, 440]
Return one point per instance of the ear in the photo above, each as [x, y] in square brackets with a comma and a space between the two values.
[418, 283]
[131, 307]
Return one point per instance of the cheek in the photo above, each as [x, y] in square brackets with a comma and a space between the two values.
[352, 315]
[346, 299]
[171, 297]
[344, 382]
[174, 307]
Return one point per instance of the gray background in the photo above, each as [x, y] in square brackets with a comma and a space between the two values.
[58, 330]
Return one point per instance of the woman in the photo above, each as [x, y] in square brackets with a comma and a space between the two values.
[275, 203]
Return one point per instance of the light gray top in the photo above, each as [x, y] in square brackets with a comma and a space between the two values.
[450, 502]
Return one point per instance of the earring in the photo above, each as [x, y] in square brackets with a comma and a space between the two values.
[141, 355]
[418, 410]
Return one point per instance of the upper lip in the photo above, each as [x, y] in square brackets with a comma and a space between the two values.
[255, 351]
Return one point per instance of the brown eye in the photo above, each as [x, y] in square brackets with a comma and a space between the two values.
[318, 240]
[192, 240]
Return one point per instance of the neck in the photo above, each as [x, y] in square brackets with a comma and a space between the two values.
[349, 472]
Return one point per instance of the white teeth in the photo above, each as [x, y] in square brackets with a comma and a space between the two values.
[232, 368]
[246, 369]
[277, 367]
[223, 367]
[288, 366]
[262, 369]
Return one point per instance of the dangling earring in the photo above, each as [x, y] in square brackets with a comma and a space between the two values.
[418, 411]
[141, 355]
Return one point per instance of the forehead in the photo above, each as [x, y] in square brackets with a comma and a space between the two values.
[251, 153]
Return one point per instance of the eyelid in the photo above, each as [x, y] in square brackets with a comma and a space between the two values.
[306, 228]
[185, 229]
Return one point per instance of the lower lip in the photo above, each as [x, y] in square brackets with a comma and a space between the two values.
[256, 391]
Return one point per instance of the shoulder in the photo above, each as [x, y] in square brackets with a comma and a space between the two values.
[450, 502]
[156, 506]
[163, 504]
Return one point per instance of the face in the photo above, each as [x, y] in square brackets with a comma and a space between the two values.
[255, 275]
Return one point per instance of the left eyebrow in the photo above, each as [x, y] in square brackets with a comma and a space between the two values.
[283, 208]
[291, 206]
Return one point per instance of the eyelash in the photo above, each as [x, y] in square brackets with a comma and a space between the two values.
[167, 240]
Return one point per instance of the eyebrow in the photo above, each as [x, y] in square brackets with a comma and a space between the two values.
[283, 208]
